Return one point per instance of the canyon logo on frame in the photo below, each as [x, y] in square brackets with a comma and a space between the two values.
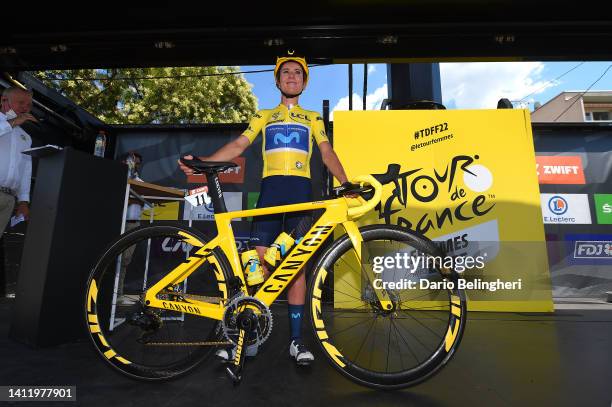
[559, 169]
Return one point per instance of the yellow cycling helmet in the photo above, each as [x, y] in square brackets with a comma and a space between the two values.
[290, 57]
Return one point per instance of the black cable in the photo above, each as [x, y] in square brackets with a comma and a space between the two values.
[582, 94]
[546, 84]
[350, 84]
[365, 84]
[170, 76]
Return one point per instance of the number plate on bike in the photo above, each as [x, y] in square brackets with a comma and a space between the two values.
[198, 197]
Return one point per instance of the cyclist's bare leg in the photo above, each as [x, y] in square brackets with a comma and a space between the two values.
[296, 296]
[261, 251]
[296, 292]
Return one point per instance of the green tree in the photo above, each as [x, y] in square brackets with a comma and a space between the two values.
[183, 95]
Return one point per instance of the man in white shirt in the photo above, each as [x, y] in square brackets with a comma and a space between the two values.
[15, 168]
[4, 101]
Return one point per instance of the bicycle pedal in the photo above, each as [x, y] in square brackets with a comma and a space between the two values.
[235, 376]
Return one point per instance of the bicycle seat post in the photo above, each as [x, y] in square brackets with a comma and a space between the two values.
[215, 192]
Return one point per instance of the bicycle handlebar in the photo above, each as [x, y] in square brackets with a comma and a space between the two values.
[368, 205]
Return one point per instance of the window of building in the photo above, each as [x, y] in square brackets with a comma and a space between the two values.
[601, 116]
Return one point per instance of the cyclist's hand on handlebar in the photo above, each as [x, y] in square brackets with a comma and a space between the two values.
[347, 190]
[348, 185]
[183, 167]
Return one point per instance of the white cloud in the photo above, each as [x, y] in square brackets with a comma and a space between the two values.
[480, 85]
[371, 68]
[373, 101]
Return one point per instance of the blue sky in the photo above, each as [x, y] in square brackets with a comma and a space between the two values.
[475, 85]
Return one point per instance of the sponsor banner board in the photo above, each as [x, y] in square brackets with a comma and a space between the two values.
[559, 169]
[229, 176]
[566, 209]
[603, 208]
[165, 211]
[589, 249]
[455, 179]
[233, 202]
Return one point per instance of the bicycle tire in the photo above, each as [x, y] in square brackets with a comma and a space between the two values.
[116, 341]
[332, 322]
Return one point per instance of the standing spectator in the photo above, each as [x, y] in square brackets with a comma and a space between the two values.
[15, 168]
[4, 102]
[134, 212]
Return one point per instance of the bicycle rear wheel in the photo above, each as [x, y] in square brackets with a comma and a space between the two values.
[397, 345]
[144, 342]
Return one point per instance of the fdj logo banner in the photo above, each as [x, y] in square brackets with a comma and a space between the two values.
[589, 249]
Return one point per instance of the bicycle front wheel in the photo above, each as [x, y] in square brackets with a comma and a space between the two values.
[375, 326]
[144, 342]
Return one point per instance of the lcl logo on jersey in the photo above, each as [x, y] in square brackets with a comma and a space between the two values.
[560, 169]
[299, 116]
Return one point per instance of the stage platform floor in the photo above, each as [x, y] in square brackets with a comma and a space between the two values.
[505, 359]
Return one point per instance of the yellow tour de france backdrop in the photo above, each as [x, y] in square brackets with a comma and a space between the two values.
[467, 181]
[162, 211]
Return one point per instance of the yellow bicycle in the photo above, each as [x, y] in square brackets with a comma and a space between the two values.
[162, 298]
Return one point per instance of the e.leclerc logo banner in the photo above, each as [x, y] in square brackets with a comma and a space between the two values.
[566, 208]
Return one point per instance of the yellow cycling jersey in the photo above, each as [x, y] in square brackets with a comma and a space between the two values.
[287, 139]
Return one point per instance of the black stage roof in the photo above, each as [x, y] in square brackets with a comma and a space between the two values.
[115, 34]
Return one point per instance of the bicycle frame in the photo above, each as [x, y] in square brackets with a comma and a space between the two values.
[335, 214]
[337, 211]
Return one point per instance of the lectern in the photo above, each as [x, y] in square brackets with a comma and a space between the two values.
[76, 211]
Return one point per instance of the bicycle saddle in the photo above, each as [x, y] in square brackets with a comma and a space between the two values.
[208, 166]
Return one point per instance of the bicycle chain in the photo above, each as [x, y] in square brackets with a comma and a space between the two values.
[210, 343]
[204, 298]
[214, 300]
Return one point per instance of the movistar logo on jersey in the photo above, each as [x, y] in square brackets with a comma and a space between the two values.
[281, 138]
[287, 137]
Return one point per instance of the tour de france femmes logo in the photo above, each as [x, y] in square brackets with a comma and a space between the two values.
[557, 205]
[464, 180]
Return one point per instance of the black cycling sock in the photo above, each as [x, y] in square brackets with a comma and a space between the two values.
[295, 321]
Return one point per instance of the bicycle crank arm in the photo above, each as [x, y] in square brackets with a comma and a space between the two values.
[234, 371]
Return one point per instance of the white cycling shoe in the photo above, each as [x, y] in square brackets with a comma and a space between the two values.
[227, 354]
[300, 354]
